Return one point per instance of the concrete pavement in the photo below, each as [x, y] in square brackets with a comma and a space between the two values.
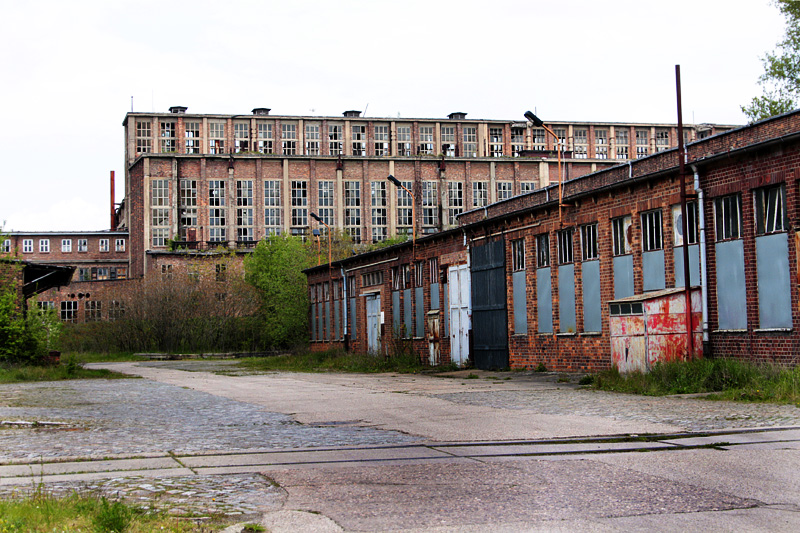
[412, 453]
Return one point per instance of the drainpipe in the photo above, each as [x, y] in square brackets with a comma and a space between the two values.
[703, 266]
[345, 306]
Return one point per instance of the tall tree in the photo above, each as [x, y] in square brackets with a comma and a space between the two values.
[781, 79]
[275, 268]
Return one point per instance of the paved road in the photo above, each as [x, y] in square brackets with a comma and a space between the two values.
[372, 453]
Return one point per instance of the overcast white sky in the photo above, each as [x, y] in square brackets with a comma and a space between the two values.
[69, 70]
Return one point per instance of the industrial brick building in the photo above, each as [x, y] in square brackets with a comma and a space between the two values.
[527, 281]
[229, 180]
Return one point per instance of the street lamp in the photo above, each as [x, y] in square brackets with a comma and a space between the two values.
[398, 184]
[318, 219]
[539, 124]
[316, 234]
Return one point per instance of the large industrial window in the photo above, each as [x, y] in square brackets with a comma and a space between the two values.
[651, 231]
[241, 137]
[601, 144]
[505, 190]
[455, 201]
[404, 140]
[518, 254]
[359, 140]
[691, 224]
[771, 210]
[335, 138]
[192, 137]
[116, 310]
[662, 140]
[642, 143]
[470, 135]
[188, 203]
[378, 204]
[381, 133]
[496, 142]
[325, 201]
[565, 246]
[352, 209]
[169, 141]
[728, 217]
[272, 207]
[621, 136]
[430, 207]
[539, 139]
[312, 139]
[289, 139]
[216, 138]
[580, 143]
[299, 203]
[244, 210]
[480, 194]
[426, 140]
[621, 234]
[517, 141]
[404, 213]
[543, 250]
[265, 138]
[159, 212]
[448, 140]
[69, 311]
[143, 137]
[92, 310]
[589, 242]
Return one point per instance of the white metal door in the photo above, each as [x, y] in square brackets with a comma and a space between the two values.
[460, 313]
[374, 323]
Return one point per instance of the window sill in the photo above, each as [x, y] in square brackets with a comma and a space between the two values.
[591, 334]
[567, 334]
[773, 330]
[729, 331]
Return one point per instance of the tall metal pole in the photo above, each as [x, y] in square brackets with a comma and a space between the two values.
[684, 221]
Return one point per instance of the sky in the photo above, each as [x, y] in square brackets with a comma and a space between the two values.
[72, 70]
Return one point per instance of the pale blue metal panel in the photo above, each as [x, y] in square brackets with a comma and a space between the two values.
[397, 320]
[520, 303]
[694, 265]
[419, 298]
[313, 322]
[590, 274]
[774, 281]
[407, 313]
[327, 321]
[731, 293]
[544, 300]
[623, 276]
[653, 270]
[434, 296]
[566, 299]
[320, 322]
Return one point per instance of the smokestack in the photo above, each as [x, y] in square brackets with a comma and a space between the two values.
[113, 210]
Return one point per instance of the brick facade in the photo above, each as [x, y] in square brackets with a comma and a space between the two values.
[741, 162]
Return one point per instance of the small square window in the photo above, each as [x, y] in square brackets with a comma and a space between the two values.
[66, 245]
[27, 246]
[83, 245]
[44, 246]
[103, 245]
[119, 245]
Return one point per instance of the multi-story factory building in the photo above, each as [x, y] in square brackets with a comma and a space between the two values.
[229, 180]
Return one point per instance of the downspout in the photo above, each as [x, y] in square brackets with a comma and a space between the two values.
[345, 306]
[703, 259]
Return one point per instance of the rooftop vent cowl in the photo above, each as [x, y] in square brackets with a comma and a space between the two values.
[458, 115]
[178, 109]
[354, 114]
[261, 111]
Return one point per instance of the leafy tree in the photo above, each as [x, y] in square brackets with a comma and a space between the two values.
[275, 269]
[781, 78]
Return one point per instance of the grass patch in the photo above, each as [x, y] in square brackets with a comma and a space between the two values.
[336, 361]
[69, 368]
[43, 512]
[729, 379]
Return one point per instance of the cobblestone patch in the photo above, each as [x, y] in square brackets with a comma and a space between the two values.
[137, 416]
[238, 496]
[693, 414]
